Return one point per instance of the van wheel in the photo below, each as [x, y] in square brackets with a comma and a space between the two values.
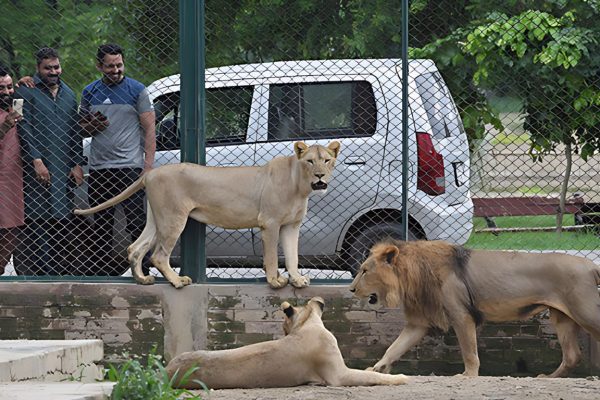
[361, 243]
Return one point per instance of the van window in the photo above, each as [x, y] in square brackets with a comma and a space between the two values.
[227, 114]
[440, 108]
[321, 110]
[167, 124]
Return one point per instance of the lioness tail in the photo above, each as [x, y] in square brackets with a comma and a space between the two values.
[125, 194]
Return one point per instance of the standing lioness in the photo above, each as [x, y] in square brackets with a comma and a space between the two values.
[272, 197]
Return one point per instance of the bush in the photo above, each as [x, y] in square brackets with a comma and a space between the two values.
[135, 381]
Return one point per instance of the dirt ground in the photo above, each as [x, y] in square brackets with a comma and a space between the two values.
[432, 387]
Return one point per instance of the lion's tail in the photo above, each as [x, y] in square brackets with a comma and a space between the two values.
[127, 193]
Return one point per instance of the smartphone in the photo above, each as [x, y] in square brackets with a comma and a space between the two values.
[18, 106]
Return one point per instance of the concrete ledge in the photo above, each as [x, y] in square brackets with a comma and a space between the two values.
[52, 360]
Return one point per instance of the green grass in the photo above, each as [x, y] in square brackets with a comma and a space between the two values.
[507, 139]
[580, 240]
[530, 190]
[523, 222]
[536, 190]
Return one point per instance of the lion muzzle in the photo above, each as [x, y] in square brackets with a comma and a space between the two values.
[320, 185]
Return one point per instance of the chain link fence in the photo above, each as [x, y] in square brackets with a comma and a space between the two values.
[503, 124]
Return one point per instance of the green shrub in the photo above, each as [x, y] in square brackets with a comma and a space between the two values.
[151, 382]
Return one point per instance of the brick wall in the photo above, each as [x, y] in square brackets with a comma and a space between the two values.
[133, 318]
[240, 315]
[127, 319]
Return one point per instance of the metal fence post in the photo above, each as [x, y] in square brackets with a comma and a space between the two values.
[404, 56]
[192, 66]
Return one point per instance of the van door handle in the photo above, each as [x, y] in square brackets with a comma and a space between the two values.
[354, 161]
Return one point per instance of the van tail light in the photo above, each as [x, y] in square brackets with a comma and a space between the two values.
[431, 176]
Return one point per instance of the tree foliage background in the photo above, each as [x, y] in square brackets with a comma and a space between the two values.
[545, 52]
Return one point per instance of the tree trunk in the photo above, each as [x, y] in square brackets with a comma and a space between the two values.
[563, 190]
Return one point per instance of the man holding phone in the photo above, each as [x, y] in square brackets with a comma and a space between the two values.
[118, 114]
[11, 170]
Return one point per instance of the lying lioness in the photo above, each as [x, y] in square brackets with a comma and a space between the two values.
[442, 285]
[273, 197]
[307, 354]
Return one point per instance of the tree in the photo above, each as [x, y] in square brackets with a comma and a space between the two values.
[275, 30]
[147, 31]
[554, 61]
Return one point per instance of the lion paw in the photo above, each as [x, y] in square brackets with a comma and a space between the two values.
[145, 280]
[180, 281]
[544, 376]
[279, 282]
[466, 375]
[400, 379]
[383, 368]
[300, 281]
[185, 280]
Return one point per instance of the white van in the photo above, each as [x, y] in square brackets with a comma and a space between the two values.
[256, 111]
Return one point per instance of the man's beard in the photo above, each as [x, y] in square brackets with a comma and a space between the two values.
[51, 80]
[6, 101]
[113, 80]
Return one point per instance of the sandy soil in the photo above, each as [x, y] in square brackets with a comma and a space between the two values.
[433, 387]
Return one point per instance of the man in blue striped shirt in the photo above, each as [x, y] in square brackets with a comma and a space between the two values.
[119, 116]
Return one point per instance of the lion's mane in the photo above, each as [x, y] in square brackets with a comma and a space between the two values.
[418, 274]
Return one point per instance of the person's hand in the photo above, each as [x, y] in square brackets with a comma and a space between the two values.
[41, 172]
[12, 118]
[26, 81]
[94, 123]
[100, 121]
[9, 122]
[147, 168]
[77, 175]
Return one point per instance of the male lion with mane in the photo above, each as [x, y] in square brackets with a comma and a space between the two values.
[442, 285]
[307, 354]
[273, 197]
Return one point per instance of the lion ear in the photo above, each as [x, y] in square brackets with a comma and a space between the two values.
[319, 301]
[287, 308]
[334, 147]
[300, 148]
[390, 254]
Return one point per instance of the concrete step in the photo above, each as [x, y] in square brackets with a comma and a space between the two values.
[36, 390]
[51, 360]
